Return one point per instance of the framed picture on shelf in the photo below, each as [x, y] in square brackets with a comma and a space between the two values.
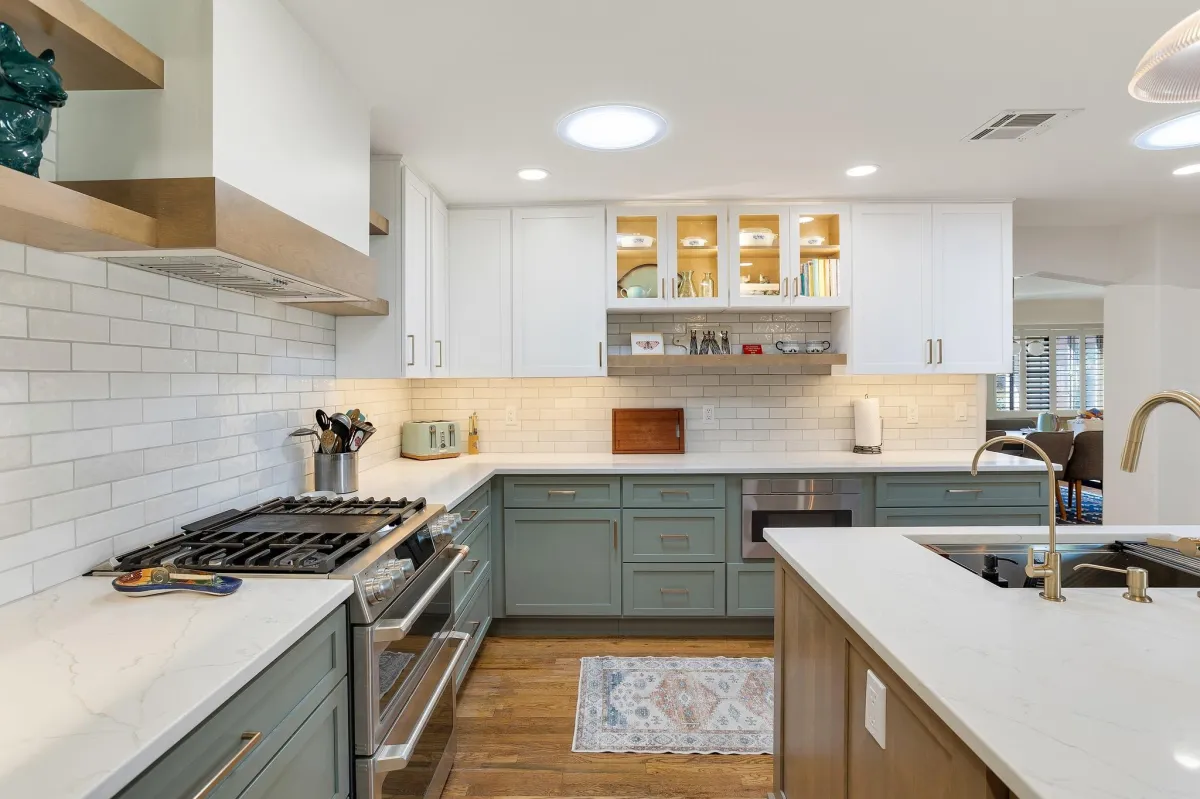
[647, 343]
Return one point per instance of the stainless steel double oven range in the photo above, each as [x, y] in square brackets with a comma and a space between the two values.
[404, 651]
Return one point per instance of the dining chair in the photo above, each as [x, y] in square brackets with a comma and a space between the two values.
[1058, 447]
[1085, 466]
[995, 434]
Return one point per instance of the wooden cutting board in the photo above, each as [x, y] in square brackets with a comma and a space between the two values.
[648, 431]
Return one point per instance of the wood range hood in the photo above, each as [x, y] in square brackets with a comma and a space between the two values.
[209, 231]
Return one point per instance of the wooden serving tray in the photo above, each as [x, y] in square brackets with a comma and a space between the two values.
[648, 431]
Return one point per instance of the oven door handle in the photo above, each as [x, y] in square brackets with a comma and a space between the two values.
[389, 630]
[393, 757]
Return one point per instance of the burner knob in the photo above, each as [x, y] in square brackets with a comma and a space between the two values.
[400, 569]
[379, 587]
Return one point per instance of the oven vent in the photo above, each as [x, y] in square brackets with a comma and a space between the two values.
[1015, 125]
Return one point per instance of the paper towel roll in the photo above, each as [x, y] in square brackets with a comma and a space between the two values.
[868, 426]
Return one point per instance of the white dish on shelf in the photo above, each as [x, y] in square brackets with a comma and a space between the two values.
[693, 241]
[757, 237]
[634, 241]
[812, 241]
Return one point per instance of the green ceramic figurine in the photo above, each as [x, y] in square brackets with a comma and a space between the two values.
[29, 88]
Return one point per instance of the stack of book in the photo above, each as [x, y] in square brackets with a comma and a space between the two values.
[819, 277]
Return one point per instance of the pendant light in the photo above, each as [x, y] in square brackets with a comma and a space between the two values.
[1170, 70]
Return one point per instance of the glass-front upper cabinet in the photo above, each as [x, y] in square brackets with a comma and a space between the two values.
[820, 256]
[696, 275]
[635, 249]
[758, 276]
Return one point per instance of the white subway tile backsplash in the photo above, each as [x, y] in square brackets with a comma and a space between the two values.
[168, 409]
[197, 475]
[286, 330]
[107, 468]
[269, 309]
[105, 358]
[168, 360]
[15, 453]
[254, 364]
[168, 312]
[222, 405]
[90, 529]
[41, 417]
[235, 301]
[192, 385]
[61, 266]
[34, 292]
[139, 489]
[48, 510]
[216, 362]
[236, 342]
[62, 567]
[14, 387]
[104, 302]
[64, 326]
[136, 281]
[141, 436]
[12, 259]
[195, 430]
[216, 319]
[235, 384]
[16, 583]
[215, 449]
[57, 447]
[193, 293]
[107, 413]
[193, 338]
[145, 334]
[48, 386]
[125, 386]
[168, 506]
[160, 459]
[14, 322]
[29, 355]
[253, 325]
[19, 550]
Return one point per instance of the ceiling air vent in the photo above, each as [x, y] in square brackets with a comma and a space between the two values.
[1020, 125]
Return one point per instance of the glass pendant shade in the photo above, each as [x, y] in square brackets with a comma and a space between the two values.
[1170, 70]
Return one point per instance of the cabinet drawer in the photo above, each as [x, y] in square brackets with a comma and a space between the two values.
[551, 492]
[315, 763]
[966, 517]
[674, 589]
[751, 589]
[276, 703]
[474, 620]
[932, 491]
[673, 492]
[659, 534]
[473, 509]
[471, 570]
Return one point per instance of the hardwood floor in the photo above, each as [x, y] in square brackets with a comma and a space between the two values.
[516, 718]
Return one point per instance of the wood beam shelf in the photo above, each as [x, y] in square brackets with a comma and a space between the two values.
[46, 215]
[800, 359]
[90, 52]
[372, 308]
[379, 224]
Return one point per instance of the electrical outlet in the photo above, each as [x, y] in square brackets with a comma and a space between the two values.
[876, 719]
[960, 411]
[911, 413]
[708, 414]
[510, 416]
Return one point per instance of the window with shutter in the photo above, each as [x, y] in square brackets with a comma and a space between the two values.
[1054, 369]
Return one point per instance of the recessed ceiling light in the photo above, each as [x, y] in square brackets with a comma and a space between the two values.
[612, 127]
[532, 173]
[804, 220]
[1173, 134]
[1190, 169]
[862, 171]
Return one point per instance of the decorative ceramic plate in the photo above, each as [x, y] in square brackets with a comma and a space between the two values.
[161, 580]
[644, 276]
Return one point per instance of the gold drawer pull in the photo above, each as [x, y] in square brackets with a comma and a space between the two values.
[474, 566]
[250, 740]
[560, 492]
[665, 536]
[475, 625]
[964, 490]
[469, 516]
[673, 591]
[663, 492]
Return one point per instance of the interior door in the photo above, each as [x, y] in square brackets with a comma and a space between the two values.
[481, 274]
[560, 323]
[414, 342]
[891, 289]
[972, 287]
[439, 294]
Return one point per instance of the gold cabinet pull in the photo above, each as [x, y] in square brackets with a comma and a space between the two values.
[673, 591]
[928, 350]
[939, 351]
[474, 566]
[439, 345]
[600, 354]
[560, 492]
[663, 492]
[665, 536]
[614, 535]
[784, 281]
[249, 741]
[412, 349]
[796, 287]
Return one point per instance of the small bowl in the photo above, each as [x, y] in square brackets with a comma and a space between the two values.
[634, 241]
[693, 241]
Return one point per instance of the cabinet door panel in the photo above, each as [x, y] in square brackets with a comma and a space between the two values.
[562, 562]
[414, 342]
[637, 246]
[759, 269]
[891, 288]
[560, 323]
[972, 287]
[439, 288]
[480, 336]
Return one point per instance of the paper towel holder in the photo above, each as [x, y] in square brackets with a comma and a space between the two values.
[868, 450]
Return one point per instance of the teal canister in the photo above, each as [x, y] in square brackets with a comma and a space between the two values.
[1047, 422]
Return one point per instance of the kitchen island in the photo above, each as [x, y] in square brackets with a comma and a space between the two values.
[999, 691]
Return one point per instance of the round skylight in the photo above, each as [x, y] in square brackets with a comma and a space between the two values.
[612, 127]
[1173, 134]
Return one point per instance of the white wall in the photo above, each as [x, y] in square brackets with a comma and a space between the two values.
[288, 126]
[1089, 253]
[1058, 312]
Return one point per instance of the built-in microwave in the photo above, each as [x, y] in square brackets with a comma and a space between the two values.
[795, 503]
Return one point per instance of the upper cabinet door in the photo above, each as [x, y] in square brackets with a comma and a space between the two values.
[696, 256]
[559, 308]
[439, 288]
[890, 308]
[637, 253]
[972, 287]
[414, 338]
[481, 274]
[819, 257]
[758, 275]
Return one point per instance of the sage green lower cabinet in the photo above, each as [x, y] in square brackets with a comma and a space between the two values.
[474, 619]
[471, 570]
[673, 491]
[316, 762]
[666, 535]
[959, 491]
[562, 562]
[962, 517]
[751, 589]
[562, 492]
[674, 589]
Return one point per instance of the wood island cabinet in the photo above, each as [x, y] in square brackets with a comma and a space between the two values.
[822, 746]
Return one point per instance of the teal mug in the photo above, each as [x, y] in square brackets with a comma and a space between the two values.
[634, 292]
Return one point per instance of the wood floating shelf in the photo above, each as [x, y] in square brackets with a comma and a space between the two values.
[638, 252]
[750, 252]
[372, 308]
[46, 215]
[89, 51]
[689, 252]
[379, 224]
[800, 359]
[824, 250]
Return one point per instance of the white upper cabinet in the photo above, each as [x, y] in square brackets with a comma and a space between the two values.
[439, 288]
[559, 292]
[666, 257]
[793, 257]
[972, 274]
[415, 278]
[481, 329]
[697, 257]
[758, 263]
[932, 289]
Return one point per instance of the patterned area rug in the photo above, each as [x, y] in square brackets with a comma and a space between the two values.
[1093, 508]
[677, 706]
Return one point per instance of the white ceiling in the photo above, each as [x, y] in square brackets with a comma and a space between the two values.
[768, 98]
[1035, 287]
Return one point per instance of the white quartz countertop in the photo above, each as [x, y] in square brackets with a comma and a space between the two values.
[452, 480]
[1094, 697]
[97, 685]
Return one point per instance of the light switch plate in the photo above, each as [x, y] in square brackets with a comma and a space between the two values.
[510, 416]
[876, 703]
[911, 413]
[960, 411]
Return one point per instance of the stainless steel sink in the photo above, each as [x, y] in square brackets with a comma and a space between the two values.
[1004, 564]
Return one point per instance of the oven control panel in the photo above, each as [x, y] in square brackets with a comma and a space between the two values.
[389, 577]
